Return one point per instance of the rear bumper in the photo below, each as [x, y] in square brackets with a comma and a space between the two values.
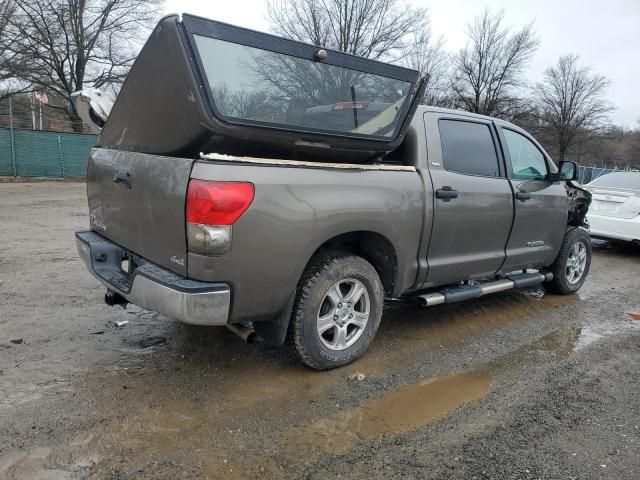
[627, 229]
[152, 287]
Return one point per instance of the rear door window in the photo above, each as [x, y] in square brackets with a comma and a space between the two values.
[527, 161]
[468, 147]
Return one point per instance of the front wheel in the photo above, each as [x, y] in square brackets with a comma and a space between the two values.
[338, 310]
[572, 264]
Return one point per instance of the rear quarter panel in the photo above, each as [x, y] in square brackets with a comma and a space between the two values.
[295, 211]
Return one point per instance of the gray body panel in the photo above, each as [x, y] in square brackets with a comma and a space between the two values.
[295, 211]
[147, 217]
[540, 222]
[469, 232]
[542, 218]
[299, 208]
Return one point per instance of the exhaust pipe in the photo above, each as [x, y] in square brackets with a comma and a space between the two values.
[245, 333]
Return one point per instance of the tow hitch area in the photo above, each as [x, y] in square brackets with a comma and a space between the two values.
[112, 299]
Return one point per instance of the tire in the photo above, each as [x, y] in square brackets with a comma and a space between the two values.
[566, 279]
[327, 329]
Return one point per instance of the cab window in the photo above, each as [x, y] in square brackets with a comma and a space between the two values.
[527, 161]
[467, 147]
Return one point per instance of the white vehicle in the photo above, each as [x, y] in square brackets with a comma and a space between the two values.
[615, 208]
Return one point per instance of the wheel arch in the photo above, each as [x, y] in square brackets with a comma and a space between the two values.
[374, 247]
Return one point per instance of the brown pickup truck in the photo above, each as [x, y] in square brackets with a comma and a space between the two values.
[281, 189]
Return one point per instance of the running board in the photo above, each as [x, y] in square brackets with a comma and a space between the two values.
[468, 292]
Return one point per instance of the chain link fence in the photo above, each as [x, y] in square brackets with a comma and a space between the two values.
[588, 174]
[36, 153]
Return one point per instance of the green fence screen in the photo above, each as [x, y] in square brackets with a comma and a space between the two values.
[34, 153]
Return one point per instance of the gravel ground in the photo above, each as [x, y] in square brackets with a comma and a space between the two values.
[517, 385]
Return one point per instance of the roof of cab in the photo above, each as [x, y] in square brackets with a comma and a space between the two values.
[464, 113]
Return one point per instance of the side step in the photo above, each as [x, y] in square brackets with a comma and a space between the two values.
[467, 292]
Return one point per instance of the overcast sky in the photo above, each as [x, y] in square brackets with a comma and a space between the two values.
[605, 33]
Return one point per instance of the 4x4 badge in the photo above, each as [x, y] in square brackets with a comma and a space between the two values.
[179, 261]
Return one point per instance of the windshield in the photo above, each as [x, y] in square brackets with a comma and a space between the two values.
[628, 180]
[262, 86]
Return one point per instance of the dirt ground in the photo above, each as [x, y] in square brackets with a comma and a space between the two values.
[516, 385]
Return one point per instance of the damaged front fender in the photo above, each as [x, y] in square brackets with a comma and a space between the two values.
[579, 201]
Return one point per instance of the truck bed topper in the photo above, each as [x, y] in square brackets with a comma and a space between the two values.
[202, 86]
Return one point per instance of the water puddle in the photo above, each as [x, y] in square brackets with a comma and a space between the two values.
[561, 343]
[406, 409]
[588, 335]
[409, 408]
[213, 400]
[40, 463]
[177, 426]
[407, 329]
[15, 391]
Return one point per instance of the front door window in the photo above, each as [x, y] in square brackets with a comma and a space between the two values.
[527, 160]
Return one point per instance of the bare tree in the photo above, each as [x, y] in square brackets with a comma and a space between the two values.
[427, 55]
[488, 71]
[377, 29]
[6, 70]
[70, 44]
[6, 10]
[571, 102]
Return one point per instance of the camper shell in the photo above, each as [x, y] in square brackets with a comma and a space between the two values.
[219, 88]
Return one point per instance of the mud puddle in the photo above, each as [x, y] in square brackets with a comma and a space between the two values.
[406, 409]
[189, 427]
[563, 342]
[406, 330]
[212, 408]
[41, 463]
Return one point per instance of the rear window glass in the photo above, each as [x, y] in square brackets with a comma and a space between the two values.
[630, 180]
[261, 86]
[468, 147]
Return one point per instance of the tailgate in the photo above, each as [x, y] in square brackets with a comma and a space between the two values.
[138, 201]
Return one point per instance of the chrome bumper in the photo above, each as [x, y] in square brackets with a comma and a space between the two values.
[152, 287]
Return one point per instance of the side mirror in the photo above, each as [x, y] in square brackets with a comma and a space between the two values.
[567, 171]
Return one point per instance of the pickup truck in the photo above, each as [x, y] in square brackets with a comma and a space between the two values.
[284, 190]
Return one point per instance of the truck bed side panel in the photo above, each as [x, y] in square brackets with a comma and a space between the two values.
[294, 212]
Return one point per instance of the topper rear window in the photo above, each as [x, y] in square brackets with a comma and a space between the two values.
[264, 80]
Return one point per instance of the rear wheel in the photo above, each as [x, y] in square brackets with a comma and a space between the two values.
[338, 310]
[572, 264]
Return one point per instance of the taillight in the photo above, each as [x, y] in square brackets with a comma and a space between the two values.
[212, 208]
[217, 203]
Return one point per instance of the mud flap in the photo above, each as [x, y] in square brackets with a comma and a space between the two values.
[274, 332]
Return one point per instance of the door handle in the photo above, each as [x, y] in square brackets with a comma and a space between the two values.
[446, 193]
[523, 196]
[122, 179]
